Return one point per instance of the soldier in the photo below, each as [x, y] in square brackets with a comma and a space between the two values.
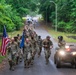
[33, 43]
[20, 53]
[12, 50]
[9, 54]
[17, 51]
[39, 45]
[61, 42]
[27, 53]
[31, 31]
[31, 24]
[26, 32]
[47, 44]
[36, 42]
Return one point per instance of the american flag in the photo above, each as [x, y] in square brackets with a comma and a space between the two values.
[5, 41]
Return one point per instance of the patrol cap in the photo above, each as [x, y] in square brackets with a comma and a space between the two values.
[60, 37]
[39, 36]
[18, 35]
[48, 37]
[15, 38]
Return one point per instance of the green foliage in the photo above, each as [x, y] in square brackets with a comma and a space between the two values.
[9, 17]
[4, 19]
[66, 11]
[61, 25]
[23, 7]
[67, 27]
[12, 11]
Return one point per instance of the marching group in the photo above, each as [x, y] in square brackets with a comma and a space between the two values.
[33, 44]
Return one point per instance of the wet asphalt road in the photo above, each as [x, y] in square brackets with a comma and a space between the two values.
[39, 67]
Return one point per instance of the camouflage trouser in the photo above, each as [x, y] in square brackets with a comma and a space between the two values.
[33, 53]
[12, 61]
[27, 59]
[39, 52]
[34, 50]
[20, 56]
[10, 64]
[47, 54]
[14, 58]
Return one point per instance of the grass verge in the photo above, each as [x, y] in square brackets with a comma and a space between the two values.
[55, 35]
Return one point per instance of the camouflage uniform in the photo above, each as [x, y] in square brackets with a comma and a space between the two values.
[12, 54]
[20, 53]
[33, 50]
[36, 42]
[39, 45]
[27, 54]
[47, 51]
[32, 26]
[61, 44]
[18, 49]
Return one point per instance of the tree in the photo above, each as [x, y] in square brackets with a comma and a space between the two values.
[9, 17]
[23, 7]
[66, 12]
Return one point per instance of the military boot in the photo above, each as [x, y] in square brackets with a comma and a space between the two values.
[10, 64]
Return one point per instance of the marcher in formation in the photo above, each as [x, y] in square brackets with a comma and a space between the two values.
[48, 45]
[61, 42]
[33, 44]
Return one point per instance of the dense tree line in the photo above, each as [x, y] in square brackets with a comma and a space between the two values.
[66, 11]
[12, 11]
[23, 7]
[9, 17]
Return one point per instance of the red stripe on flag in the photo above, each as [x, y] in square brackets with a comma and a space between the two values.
[5, 42]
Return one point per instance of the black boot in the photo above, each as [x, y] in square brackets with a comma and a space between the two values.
[17, 59]
[10, 64]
